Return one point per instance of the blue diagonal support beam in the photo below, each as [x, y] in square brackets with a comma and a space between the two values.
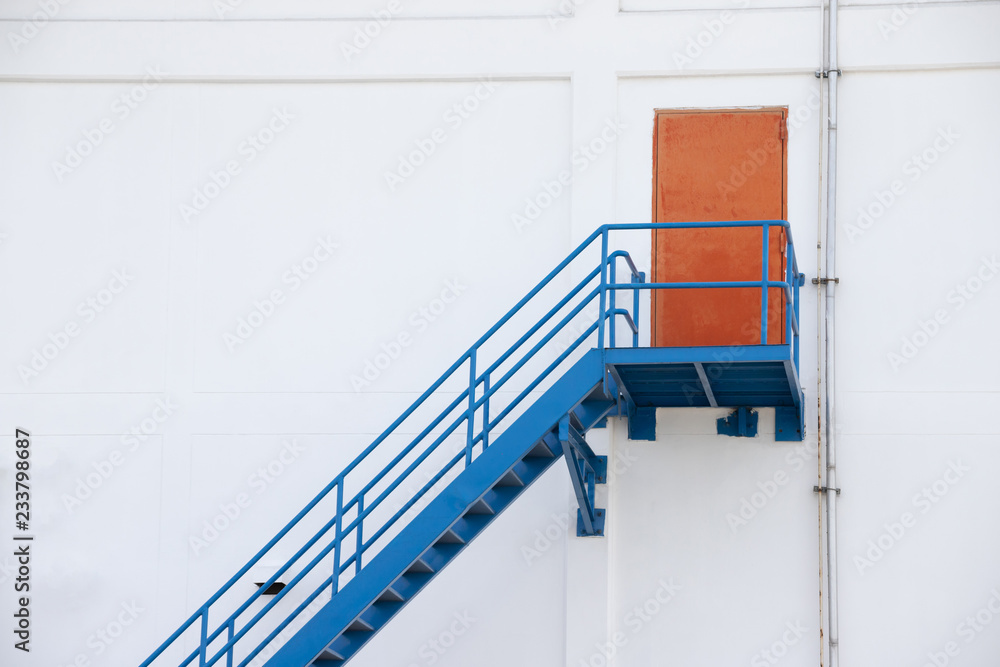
[705, 384]
[586, 470]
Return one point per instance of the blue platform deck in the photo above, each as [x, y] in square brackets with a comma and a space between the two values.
[758, 376]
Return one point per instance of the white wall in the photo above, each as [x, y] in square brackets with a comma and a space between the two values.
[555, 75]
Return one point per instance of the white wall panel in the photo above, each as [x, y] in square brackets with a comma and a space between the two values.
[918, 314]
[95, 553]
[917, 551]
[732, 524]
[85, 242]
[443, 227]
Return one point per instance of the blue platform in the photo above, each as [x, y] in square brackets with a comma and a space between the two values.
[719, 377]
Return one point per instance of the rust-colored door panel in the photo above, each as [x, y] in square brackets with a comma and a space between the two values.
[723, 165]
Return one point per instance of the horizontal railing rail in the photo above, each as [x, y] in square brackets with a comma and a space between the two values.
[350, 540]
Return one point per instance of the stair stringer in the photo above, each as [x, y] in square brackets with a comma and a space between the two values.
[441, 513]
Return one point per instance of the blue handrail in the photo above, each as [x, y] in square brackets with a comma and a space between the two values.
[608, 313]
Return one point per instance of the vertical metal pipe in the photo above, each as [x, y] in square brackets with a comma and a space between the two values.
[829, 344]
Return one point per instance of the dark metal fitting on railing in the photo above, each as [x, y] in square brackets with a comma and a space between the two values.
[824, 489]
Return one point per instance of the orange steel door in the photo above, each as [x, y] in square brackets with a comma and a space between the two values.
[719, 165]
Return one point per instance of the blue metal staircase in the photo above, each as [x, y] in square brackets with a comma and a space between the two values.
[379, 544]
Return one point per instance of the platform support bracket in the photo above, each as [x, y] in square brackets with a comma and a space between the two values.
[586, 470]
[741, 423]
[789, 423]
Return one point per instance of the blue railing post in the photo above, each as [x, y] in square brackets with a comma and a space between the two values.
[603, 308]
[486, 411]
[763, 298]
[635, 308]
[361, 540]
[338, 536]
[229, 654]
[795, 291]
[471, 412]
[789, 303]
[203, 652]
[611, 305]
